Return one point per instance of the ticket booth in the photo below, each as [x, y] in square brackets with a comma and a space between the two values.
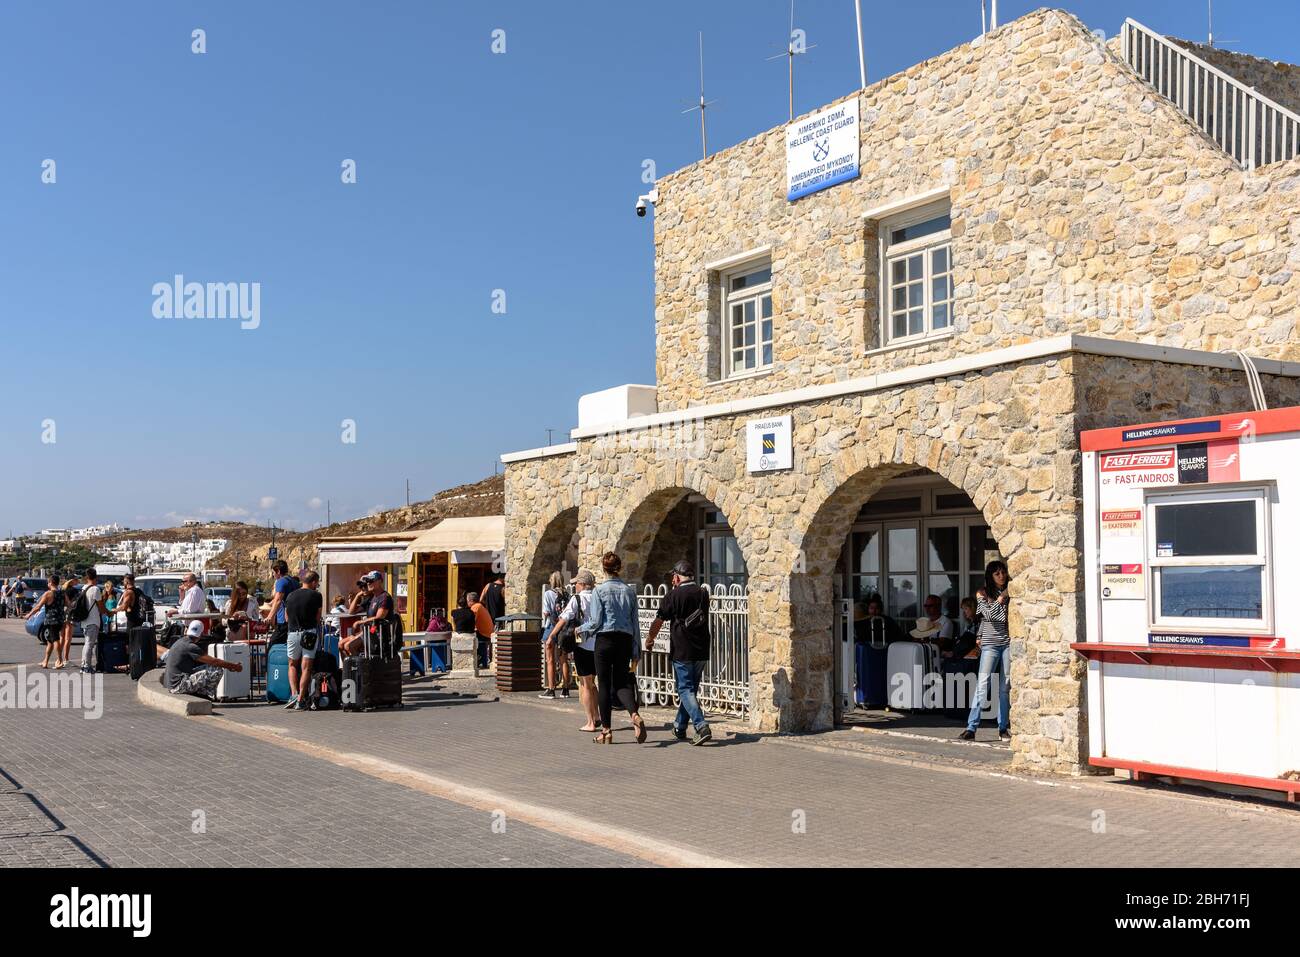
[456, 556]
[343, 560]
[1193, 620]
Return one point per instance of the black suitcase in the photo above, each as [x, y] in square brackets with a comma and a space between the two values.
[112, 652]
[370, 683]
[142, 650]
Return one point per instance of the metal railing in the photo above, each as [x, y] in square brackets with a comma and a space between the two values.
[725, 685]
[1248, 126]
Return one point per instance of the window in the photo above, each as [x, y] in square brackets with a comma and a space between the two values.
[1208, 555]
[747, 322]
[917, 255]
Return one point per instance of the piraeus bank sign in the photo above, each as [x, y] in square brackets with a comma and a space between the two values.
[821, 150]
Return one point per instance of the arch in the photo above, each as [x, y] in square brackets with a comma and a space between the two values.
[554, 549]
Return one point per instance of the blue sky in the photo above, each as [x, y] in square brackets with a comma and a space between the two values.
[475, 172]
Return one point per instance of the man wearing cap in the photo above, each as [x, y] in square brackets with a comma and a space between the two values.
[189, 670]
[686, 608]
[379, 607]
[584, 652]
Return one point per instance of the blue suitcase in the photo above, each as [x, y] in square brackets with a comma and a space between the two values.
[872, 684]
[277, 674]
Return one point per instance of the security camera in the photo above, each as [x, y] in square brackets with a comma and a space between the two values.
[648, 199]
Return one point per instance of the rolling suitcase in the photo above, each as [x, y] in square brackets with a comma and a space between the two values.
[374, 678]
[909, 664]
[112, 652]
[277, 674]
[142, 650]
[234, 684]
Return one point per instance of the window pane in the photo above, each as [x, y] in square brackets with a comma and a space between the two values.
[900, 298]
[767, 330]
[737, 336]
[939, 317]
[900, 324]
[943, 549]
[749, 335]
[866, 587]
[749, 311]
[939, 260]
[751, 279]
[902, 550]
[749, 358]
[982, 550]
[936, 225]
[767, 355]
[890, 506]
[1212, 591]
[866, 552]
[900, 270]
[767, 307]
[915, 294]
[902, 601]
[1205, 528]
[916, 322]
[939, 289]
[915, 266]
[946, 587]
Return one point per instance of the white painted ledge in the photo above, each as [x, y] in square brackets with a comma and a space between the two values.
[539, 453]
[149, 691]
[960, 365]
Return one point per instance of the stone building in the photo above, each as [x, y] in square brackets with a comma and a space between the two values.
[1038, 242]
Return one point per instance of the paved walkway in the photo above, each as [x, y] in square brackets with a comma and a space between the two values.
[429, 781]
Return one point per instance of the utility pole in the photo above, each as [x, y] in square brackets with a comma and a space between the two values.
[328, 520]
[408, 493]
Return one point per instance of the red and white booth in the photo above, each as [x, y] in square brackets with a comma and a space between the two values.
[1192, 553]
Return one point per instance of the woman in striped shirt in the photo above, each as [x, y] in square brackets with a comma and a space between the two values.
[992, 602]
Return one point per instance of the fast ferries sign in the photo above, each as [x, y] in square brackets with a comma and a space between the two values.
[1140, 468]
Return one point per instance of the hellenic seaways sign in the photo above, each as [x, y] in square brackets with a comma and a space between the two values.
[822, 150]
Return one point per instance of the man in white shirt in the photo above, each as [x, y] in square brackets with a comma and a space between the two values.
[194, 601]
[94, 605]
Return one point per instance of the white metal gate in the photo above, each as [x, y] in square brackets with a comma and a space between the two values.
[725, 686]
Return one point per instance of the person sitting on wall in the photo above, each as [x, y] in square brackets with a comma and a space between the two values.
[189, 670]
[462, 619]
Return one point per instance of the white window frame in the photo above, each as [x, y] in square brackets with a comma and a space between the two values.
[890, 253]
[729, 299]
[1263, 543]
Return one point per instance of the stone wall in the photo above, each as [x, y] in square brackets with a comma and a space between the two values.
[1081, 201]
[1278, 81]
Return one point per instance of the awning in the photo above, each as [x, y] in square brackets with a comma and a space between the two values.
[483, 534]
[356, 554]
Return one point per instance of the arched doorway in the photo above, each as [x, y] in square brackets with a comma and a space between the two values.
[909, 538]
[556, 551]
[673, 525]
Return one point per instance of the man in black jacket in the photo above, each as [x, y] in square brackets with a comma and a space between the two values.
[686, 608]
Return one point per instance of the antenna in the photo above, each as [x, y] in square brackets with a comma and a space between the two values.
[1210, 20]
[862, 59]
[792, 50]
[703, 105]
[984, 17]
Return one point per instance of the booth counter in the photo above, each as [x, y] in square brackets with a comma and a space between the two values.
[1193, 629]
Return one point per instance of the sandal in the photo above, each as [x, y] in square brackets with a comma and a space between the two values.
[589, 730]
[639, 724]
[605, 737]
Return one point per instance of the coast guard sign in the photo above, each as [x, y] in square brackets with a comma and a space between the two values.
[821, 150]
[769, 445]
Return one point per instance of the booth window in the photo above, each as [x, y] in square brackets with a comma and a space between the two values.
[1209, 560]
[917, 260]
[747, 322]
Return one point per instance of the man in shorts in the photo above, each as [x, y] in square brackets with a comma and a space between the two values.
[302, 611]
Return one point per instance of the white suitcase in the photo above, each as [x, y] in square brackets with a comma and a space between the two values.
[234, 684]
[909, 664]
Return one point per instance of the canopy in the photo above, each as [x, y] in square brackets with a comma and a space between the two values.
[483, 534]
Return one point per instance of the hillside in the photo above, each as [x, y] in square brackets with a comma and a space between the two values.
[246, 556]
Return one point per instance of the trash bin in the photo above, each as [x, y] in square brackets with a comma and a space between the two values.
[519, 653]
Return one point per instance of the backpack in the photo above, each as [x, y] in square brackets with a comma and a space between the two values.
[81, 607]
[324, 693]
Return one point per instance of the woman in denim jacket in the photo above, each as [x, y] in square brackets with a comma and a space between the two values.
[612, 618]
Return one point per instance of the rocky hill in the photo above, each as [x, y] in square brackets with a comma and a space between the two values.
[246, 556]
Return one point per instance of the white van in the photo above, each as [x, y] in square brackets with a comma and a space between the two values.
[165, 590]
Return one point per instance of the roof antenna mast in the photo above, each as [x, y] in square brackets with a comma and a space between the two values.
[795, 45]
[702, 106]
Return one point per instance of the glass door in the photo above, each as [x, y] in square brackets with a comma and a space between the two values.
[943, 564]
[903, 560]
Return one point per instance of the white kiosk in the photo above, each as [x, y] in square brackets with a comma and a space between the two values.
[1192, 554]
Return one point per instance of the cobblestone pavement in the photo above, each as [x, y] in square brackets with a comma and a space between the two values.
[128, 788]
[127, 785]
